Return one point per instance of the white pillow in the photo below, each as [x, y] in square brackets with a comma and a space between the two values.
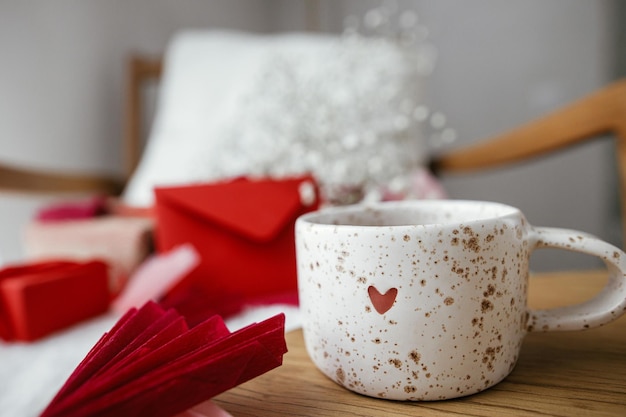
[235, 103]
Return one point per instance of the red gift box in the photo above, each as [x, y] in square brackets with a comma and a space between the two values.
[243, 230]
[40, 298]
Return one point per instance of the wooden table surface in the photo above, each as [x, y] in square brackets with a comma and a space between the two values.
[558, 374]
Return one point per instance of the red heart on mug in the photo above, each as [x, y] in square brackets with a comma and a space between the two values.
[382, 302]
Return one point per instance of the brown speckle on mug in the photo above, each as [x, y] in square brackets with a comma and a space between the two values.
[491, 290]
[471, 244]
[415, 356]
[486, 305]
[341, 376]
[395, 362]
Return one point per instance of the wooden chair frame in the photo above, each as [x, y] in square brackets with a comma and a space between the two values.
[139, 73]
[21, 180]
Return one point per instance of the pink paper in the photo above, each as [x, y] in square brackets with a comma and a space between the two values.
[156, 276]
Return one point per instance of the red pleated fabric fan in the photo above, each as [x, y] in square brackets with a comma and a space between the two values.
[152, 363]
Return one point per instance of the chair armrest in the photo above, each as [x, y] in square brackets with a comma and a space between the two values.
[22, 180]
[600, 113]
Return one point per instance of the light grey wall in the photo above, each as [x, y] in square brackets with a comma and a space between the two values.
[61, 80]
[503, 63]
[500, 64]
[61, 77]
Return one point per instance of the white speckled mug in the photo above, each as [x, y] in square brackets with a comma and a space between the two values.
[426, 300]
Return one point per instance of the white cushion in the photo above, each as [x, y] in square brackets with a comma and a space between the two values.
[235, 103]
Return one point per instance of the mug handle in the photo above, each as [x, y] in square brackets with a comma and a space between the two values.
[606, 306]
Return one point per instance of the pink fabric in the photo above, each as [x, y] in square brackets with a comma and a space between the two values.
[73, 210]
[422, 186]
[206, 409]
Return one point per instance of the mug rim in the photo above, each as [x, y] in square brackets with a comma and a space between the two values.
[312, 218]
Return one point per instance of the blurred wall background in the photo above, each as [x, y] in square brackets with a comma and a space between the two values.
[500, 64]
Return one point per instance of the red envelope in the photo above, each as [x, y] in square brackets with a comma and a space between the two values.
[151, 364]
[243, 230]
[38, 299]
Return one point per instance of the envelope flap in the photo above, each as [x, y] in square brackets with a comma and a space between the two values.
[256, 208]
